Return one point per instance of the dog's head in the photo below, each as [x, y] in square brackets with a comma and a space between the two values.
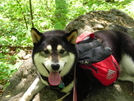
[54, 53]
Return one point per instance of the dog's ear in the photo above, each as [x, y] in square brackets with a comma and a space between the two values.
[72, 36]
[36, 35]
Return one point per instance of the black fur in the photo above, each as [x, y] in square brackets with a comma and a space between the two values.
[119, 42]
[54, 38]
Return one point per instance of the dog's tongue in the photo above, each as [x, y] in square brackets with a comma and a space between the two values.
[54, 78]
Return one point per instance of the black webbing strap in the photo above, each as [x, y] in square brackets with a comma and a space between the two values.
[74, 89]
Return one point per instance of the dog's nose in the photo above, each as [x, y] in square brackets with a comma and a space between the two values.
[55, 66]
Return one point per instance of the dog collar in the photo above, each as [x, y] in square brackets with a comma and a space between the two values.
[58, 87]
[61, 85]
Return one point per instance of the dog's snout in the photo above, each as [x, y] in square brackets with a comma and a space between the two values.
[55, 66]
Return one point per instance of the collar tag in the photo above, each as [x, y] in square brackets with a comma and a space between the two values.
[61, 85]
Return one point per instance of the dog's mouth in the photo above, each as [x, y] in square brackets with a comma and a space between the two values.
[54, 78]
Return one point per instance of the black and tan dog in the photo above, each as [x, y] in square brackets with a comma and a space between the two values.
[55, 56]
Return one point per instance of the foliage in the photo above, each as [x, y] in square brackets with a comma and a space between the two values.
[8, 66]
[48, 14]
[6, 72]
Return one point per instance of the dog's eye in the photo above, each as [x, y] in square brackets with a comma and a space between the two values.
[62, 51]
[46, 51]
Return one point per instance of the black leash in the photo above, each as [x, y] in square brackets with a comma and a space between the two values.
[74, 89]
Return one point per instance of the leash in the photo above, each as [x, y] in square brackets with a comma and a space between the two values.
[80, 38]
[74, 88]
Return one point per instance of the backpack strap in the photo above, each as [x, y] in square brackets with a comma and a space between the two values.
[84, 35]
[116, 65]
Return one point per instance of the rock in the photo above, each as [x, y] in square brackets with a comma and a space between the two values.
[102, 20]
[92, 21]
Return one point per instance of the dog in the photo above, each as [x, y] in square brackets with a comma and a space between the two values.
[55, 57]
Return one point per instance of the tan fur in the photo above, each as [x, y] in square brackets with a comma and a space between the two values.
[72, 37]
[35, 37]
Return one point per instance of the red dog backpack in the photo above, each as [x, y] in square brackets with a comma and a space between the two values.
[97, 59]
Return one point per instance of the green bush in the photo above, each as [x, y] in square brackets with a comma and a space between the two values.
[47, 14]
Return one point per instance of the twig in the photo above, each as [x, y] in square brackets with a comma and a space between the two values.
[31, 12]
[23, 14]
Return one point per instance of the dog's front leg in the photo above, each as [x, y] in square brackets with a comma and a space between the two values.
[36, 86]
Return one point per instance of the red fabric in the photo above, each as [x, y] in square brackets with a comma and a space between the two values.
[107, 73]
[107, 69]
[84, 35]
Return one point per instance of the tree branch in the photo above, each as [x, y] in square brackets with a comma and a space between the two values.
[31, 12]
[24, 17]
